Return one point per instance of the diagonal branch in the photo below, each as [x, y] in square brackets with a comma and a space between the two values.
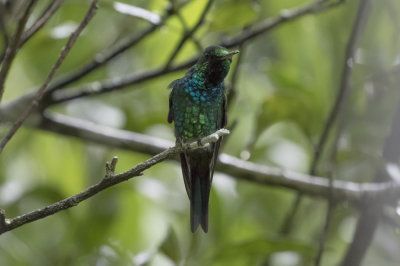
[189, 34]
[96, 88]
[107, 86]
[285, 17]
[12, 48]
[341, 99]
[371, 214]
[108, 55]
[58, 63]
[110, 179]
[344, 88]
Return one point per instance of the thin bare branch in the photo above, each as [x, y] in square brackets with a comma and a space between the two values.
[60, 60]
[109, 179]
[340, 100]
[120, 83]
[344, 87]
[12, 48]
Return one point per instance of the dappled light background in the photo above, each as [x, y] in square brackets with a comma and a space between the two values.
[285, 85]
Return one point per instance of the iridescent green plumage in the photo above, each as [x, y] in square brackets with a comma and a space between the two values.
[197, 107]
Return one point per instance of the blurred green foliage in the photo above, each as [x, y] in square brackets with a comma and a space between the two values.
[287, 82]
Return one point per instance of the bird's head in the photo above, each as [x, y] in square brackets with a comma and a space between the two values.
[215, 63]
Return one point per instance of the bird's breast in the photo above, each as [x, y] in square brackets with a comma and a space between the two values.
[197, 109]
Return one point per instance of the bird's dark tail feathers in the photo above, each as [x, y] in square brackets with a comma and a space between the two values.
[197, 168]
[200, 192]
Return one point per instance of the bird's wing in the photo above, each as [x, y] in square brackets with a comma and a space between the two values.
[173, 85]
[186, 174]
[220, 124]
[224, 120]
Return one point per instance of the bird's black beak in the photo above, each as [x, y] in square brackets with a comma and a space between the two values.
[229, 55]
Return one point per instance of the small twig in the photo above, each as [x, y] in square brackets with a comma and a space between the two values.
[110, 179]
[39, 94]
[189, 34]
[110, 167]
[13, 45]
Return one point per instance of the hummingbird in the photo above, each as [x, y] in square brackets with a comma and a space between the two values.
[197, 106]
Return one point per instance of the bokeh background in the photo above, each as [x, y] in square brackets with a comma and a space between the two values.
[285, 83]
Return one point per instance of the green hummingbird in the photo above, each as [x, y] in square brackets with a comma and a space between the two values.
[197, 105]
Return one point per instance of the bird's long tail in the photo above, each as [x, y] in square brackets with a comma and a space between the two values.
[200, 190]
[197, 169]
